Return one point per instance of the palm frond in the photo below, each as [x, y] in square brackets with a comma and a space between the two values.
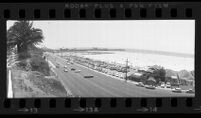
[23, 34]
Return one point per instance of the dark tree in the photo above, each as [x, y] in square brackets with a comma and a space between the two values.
[159, 74]
[23, 35]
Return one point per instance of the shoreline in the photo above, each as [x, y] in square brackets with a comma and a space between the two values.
[141, 61]
[155, 52]
[99, 65]
[136, 66]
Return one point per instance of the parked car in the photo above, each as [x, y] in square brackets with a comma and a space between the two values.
[109, 73]
[88, 76]
[122, 76]
[140, 84]
[78, 71]
[72, 69]
[162, 85]
[65, 66]
[150, 87]
[177, 90]
[65, 70]
[190, 91]
[105, 71]
[117, 75]
[168, 85]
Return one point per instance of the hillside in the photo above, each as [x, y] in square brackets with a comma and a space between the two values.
[33, 77]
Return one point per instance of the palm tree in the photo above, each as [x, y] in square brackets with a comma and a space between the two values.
[23, 35]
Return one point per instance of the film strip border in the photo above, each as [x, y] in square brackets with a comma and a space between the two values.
[81, 11]
[99, 11]
[99, 105]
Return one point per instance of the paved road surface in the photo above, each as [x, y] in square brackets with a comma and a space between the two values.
[101, 85]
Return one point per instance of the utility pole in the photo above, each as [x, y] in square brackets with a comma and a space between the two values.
[61, 52]
[178, 79]
[126, 68]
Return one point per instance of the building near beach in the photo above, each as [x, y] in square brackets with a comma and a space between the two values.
[135, 76]
[151, 81]
[174, 81]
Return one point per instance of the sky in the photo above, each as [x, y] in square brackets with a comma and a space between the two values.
[160, 35]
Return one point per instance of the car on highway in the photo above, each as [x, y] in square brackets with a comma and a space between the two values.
[57, 65]
[72, 69]
[77, 71]
[177, 90]
[140, 84]
[65, 70]
[190, 91]
[88, 76]
[150, 87]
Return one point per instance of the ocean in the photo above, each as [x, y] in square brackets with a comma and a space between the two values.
[176, 63]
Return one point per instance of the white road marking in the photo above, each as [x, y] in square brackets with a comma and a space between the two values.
[51, 64]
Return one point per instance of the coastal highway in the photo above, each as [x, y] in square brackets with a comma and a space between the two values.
[102, 85]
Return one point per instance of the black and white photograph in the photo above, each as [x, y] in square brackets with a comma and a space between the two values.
[102, 58]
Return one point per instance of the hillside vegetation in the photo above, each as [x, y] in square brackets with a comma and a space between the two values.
[30, 72]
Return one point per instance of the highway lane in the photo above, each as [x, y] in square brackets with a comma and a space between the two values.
[101, 85]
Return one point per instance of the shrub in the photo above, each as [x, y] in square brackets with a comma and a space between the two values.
[23, 56]
[134, 78]
[39, 64]
[22, 64]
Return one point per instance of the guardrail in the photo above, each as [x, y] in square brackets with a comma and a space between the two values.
[9, 84]
[11, 59]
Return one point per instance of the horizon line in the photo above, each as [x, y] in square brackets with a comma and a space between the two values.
[136, 49]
